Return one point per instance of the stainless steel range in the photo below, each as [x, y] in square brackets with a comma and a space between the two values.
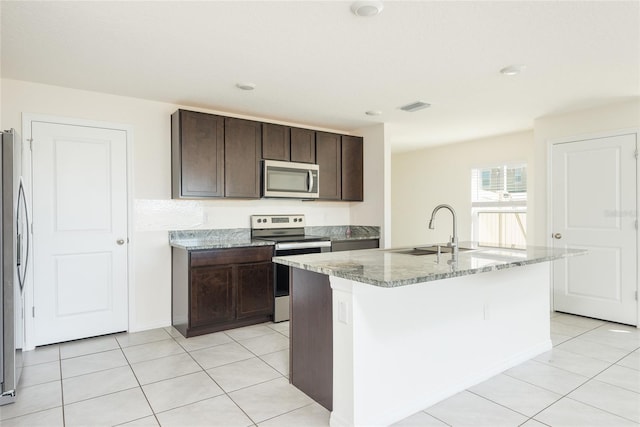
[287, 231]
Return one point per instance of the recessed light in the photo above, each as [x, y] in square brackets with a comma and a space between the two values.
[512, 70]
[246, 86]
[366, 8]
[415, 106]
[373, 112]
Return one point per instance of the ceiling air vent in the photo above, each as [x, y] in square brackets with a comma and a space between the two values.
[415, 106]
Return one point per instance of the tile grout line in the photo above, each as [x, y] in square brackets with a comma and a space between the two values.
[562, 396]
[257, 356]
[566, 395]
[433, 416]
[64, 421]
[214, 381]
[139, 384]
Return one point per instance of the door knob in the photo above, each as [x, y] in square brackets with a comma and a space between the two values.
[120, 242]
[557, 236]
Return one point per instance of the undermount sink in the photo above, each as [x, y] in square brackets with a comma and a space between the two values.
[430, 250]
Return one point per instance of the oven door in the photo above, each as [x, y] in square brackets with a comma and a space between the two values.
[281, 280]
[290, 180]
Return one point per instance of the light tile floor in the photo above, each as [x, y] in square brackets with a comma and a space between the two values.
[240, 378]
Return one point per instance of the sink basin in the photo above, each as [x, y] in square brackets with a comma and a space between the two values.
[430, 250]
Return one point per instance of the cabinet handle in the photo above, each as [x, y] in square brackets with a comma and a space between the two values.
[557, 236]
[120, 242]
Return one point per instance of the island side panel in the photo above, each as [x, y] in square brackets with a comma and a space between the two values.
[311, 349]
[403, 349]
[180, 289]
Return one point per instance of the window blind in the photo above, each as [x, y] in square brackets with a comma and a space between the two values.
[499, 184]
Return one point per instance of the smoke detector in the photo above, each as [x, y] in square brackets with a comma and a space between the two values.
[415, 106]
[246, 86]
[367, 8]
[512, 70]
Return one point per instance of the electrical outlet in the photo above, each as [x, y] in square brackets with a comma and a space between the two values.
[342, 312]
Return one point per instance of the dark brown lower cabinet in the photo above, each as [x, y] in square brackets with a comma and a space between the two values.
[218, 289]
[212, 298]
[255, 290]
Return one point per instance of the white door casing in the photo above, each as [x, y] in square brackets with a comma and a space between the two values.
[80, 225]
[594, 207]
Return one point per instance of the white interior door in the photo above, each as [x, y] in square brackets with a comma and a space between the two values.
[80, 231]
[594, 207]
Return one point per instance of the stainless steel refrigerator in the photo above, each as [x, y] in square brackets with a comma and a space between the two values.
[14, 252]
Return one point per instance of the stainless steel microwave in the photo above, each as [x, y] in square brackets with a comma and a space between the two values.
[290, 180]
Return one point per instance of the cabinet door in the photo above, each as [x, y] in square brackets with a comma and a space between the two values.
[328, 157]
[352, 189]
[275, 142]
[243, 149]
[197, 155]
[212, 295]
[303, 145]
[255, 289]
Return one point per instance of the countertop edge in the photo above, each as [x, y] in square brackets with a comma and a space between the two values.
[349, 274]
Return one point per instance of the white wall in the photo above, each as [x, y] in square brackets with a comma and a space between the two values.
[623, 115]
[423, 179]
[154, 211]
[376, 208]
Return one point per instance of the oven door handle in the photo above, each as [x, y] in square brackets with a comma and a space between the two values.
[303, 245]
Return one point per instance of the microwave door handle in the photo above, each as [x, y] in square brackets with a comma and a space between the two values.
[310, 181]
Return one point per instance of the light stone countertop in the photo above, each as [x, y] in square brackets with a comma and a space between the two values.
[197, 244]
[193, 240]
[391, 268]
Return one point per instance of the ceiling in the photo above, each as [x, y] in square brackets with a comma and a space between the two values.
[317, 64]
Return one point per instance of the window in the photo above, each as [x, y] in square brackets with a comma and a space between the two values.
[499, 205]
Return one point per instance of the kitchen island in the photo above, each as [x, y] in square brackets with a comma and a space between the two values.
[378, 335]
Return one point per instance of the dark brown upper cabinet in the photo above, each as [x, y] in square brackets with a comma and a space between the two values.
[197, 155]
[352, 168]
[303, 145]
[217, 156]
[243, 150]
[275, 142]
[329, 159]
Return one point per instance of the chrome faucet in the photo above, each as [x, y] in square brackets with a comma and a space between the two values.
[453, 244]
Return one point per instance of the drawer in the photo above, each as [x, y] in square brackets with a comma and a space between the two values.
[242, 255]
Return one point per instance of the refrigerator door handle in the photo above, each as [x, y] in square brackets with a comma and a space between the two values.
[22, 201]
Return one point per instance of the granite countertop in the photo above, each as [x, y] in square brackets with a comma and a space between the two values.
[193, 240]
[217, 243]
[391, 268]
[339, 233]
